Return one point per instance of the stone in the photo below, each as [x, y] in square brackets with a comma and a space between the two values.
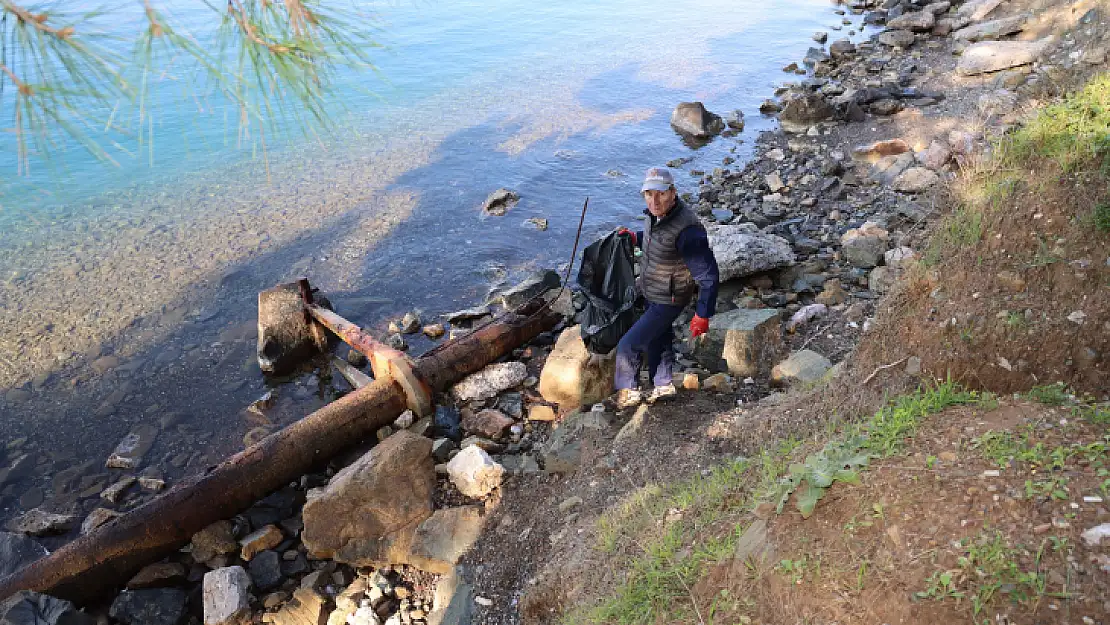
[918, 21]
[115, 492]
[718, 383]
[864, 246]
[96, 518]
[802, 367]
[490, 381]
[410, 323]
[1093, 536]
[572, 376]
[832, 294]
[369, 512]
[285, 337]
[17, 551]
[881, 280]
[897, 38]
[774, 182]
[397, 342]
[742, 342]
[260, 540]
[735, 120]
[803, 110]
[769, 107]
[150, 606]
[500, 202]
[899, 258]
[935, 156]
[31, 608]
[993, 30]
[992, 56]
[742, 250]
[841, 48]
[916, 180]
[474, 473]
[22, 467]
[1010, 281]
[913, 367]
[215, 540]
[888, 168]
[434, 330]
[129, 453]
[442, 448]
[307, 607]
[541, 412]
[693, 119]
[526, 290]
[885, 107]
[976, 10]
[265, 570]
[226, 596]
[489, 423]
[1001, 102]
[443, 538]
[821, 37]
[872, 152]
[158, 575]
[39, 522]
[467, 315]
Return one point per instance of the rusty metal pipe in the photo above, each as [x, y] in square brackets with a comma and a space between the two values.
[98, 563]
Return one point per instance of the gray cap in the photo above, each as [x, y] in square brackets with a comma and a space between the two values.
[657, 179]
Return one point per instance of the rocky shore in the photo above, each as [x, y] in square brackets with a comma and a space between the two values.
[809, 233]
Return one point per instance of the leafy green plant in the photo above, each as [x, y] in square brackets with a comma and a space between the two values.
[1056, 394]
[1054, 488]
[838, 461]
[940, 585]
[794, 569]
[1102, 216]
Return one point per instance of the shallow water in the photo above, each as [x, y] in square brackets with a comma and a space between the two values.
[149, 272]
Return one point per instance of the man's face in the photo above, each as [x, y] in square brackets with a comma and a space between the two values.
[659, 203]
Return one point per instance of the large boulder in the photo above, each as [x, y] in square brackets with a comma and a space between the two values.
[977, 9]
[571, 377]
[490, 381]
[444, 537]
[150, 606]
[369, 512]
[742, 342]
[897, 38]
[864, 246]
[993, 30]
[802, 367]
[742, 250]
[31, 608]
[226, 596]
[693, 119]
[804, 110]
[993, 56]
[17, 551]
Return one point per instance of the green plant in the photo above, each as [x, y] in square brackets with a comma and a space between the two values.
[940, 585]
[794, 569]
[838, 461]
[1043, 256]
[1102, 216]
[1056, 394]
[1054, 488]
[1016, 320]
[930, 461]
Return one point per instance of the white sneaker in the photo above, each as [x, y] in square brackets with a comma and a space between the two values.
[661, 392]
[629, 397]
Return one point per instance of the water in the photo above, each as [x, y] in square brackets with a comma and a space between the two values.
[149, 269]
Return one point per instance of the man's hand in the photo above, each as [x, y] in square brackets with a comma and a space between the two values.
[623, 230]
[698, 327]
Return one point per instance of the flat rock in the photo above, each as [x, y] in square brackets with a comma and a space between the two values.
[977, 9]
[369, 511]
[802, 367]
[17, 551]
[993, 56]
[468, 314]
[260, 540]
[500, 201]
[129, 453]
[215, 540]
[31, 608]
[872, 152]
[96, 518]
[226, 596]
[994, 29]
[150, 606]
[864, 246]
[742, 342]
[571, 377]
[39, 522]
[490, 381]
[918, 21]
[307, 607]
[158, 575]
[897, 38]
[742, 250]
[916, 180]
[531, 287]
[489, 423]
[443, 538]
[474, 473]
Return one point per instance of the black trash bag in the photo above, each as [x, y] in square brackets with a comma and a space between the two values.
[607, 283]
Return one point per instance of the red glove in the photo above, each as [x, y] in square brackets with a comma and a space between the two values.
[698, 326]
[623, 230]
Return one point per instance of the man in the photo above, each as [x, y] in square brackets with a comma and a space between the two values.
[676, 262]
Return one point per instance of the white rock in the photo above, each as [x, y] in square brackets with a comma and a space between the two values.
[474, 473]
[916, 180]
[1093, 537]
[742, 250]
[490, 381]
[992, 56]
[226, 596]
[1077, 317]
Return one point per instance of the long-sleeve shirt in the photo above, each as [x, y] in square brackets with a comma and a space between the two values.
[693, 246]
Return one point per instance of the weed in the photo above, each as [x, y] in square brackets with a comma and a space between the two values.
[794, 569]
[1016, 320]
[930, 461]
[1056, 394]
[1102, 216]
[1053, 488]
[940, 586]
[962, 228]
[987, 566]
[1043, 256]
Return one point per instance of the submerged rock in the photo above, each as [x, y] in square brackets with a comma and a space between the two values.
[500, 202]
[693, 119]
